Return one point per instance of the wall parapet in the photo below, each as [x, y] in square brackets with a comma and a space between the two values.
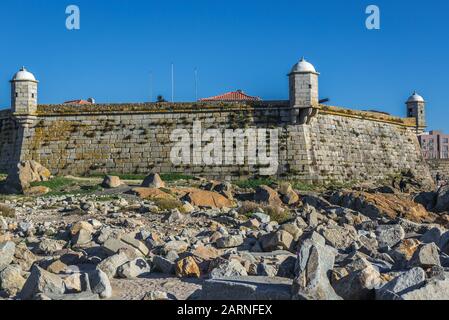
[368, 115]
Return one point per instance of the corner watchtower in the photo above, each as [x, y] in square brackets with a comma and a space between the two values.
[416, 108]
[303, 85]
[24, 93]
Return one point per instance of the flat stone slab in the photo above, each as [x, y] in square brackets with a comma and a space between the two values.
[247, 288]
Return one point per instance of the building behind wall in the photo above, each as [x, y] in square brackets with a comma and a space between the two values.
[434, 145]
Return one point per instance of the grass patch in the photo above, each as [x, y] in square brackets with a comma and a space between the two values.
[167, 204]
[7, 212]
[61, 186]
[278, 214]
[166, 177]
[301, 186]
[55, 184]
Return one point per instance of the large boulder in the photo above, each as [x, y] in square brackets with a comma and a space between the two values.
[389, 235]
[153, 181]
[227, 268]
[134, 269]
[41, 281]
[265, 194]
[313, 264]
[405, 282]
[442, 204]
[359, 285]
[378, 205]
[289, 196]
[7, 250]
[20, 178]
[280, 240]
[100, 284]
[111, 182]
[208, 199]
[11, 280]
[246, 288]
[426, 256]
[188, 268]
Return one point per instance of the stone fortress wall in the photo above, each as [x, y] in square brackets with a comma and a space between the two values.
[317, 143]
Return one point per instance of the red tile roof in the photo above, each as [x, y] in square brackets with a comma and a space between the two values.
[238, 95]
[78, 102]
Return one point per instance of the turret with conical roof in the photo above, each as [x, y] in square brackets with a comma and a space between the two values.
[416, 108]
[24, 93]
[303, 84]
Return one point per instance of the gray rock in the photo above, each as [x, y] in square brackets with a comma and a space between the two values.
[110, 265]
[163, 265]
[41, 281]
[432, 290]
[136, 244]
[246, 288]
[426, 256]
[389, 235]
[229, 242]
[111, 182]
[49, 246]
[177, 246]
[134, 269]
[100, 284]
[262, 217]
[82, 237]
[153, 181]
[280, 240]
[406, 282]
[339, 238]
[442, 200]
[113, 246]
[312, 282]
[11, 280]
[7, 250]
[433, 235]
[227, 268]
[359, 285]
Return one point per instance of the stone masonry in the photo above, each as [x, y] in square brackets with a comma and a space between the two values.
[317, 143]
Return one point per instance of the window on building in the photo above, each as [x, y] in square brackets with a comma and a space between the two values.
[32, 95]
[445, 140]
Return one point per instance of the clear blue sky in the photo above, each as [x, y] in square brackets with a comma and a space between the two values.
[235, 44]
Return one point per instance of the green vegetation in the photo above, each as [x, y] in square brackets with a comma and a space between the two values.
[7, 212]
[64, 186]
[168, 177]
[167, 204]
[276, 213]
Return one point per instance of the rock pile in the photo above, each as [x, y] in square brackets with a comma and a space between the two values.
[271, 243]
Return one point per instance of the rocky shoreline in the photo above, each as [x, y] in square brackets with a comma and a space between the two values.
[209, 240]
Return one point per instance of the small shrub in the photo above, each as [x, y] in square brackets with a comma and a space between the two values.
[7, 212]
[167, 204]
[278, 214]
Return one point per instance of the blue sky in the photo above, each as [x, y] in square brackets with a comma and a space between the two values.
[244, 44]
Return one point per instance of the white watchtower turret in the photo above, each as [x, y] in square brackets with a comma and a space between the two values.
[303, 84]
[416, 108]
[24, 93]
